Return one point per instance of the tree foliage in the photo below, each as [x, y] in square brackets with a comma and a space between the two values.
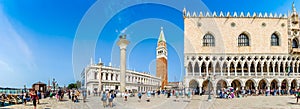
[72, 85]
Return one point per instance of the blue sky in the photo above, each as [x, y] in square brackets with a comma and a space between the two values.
[38, 38]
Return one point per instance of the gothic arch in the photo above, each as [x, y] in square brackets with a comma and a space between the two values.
[196, 67]
[250, 84]
[190, 68]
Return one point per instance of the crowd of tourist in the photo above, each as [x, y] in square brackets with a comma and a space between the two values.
[235, 93]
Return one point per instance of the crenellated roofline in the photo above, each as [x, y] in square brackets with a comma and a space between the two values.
[187, 14]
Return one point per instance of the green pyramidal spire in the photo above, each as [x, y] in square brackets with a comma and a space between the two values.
[161, 36]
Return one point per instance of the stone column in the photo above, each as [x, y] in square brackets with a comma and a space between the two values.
[109, 77]
[279, 88]
[221, 69]
[200, 72]
[193, 68]
[242, 69]
[186, 71]
[214, 69]
[256, 89]
[249, 71]
[273, 66]
[99, 78]
[293, 67]
[268, 94]
[297, 68]
[228, 70]
[268, 69]
[206, 69]
[214, 91]
[278, 69]
[262, 69]
[255, 68]
[235, 73]
[284, 69]
[200, 89]
[122, 43]
[289, 88]
[103, 76]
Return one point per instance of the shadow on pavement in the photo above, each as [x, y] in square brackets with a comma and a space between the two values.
[293, 103]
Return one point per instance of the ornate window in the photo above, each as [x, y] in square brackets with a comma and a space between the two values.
[208, 40]
[243, 40]
[295, 43]
[274, 40]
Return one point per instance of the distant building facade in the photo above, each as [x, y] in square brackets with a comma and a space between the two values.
[257, 51]
[99, 77]
[162, 59]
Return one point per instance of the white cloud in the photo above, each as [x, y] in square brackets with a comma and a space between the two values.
[123, 31]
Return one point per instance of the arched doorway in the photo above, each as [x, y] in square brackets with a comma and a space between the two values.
[262, 84]
[190, 69]
[236, 84]
[203, 69]
[221, 84]
[196, 69]
[194, 86]
[274, 84]
[205, 87]
[284, 84]
[249, 85]
[265, 67]
[294, 84]
[217, 68]
[245, 67]
[252, 68]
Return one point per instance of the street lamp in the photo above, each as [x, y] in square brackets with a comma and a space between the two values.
[209, 86]
[54, 83]
[25, 88]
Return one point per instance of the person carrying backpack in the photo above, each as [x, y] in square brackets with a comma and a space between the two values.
[111, 98]
[104, 99]
[140, 96]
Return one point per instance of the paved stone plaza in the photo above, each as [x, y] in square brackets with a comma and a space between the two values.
[197, 102]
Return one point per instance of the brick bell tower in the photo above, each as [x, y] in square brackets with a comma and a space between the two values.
[161, 59]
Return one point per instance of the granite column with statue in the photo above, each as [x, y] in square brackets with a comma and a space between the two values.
[122, 43]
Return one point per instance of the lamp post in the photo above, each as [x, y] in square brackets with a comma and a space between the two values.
[209, 86]
[25, 88]
[54, 83]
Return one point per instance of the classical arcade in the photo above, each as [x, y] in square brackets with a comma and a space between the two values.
[98, 77]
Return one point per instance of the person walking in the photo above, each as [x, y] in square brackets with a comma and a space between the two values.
[126, 95]
[177, 95]
[111, 98]
[84, 95]
[140, 96]
[24, 98]
[104, 99]
[34, 98]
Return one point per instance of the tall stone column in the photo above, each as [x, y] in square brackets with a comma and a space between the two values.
[268, 69]
[228, 71]
[122, 43]
[200, 72]
[249, 73]
[243, 69]
[273, 66]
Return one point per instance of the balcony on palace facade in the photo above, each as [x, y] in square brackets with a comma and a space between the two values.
[295, 50]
